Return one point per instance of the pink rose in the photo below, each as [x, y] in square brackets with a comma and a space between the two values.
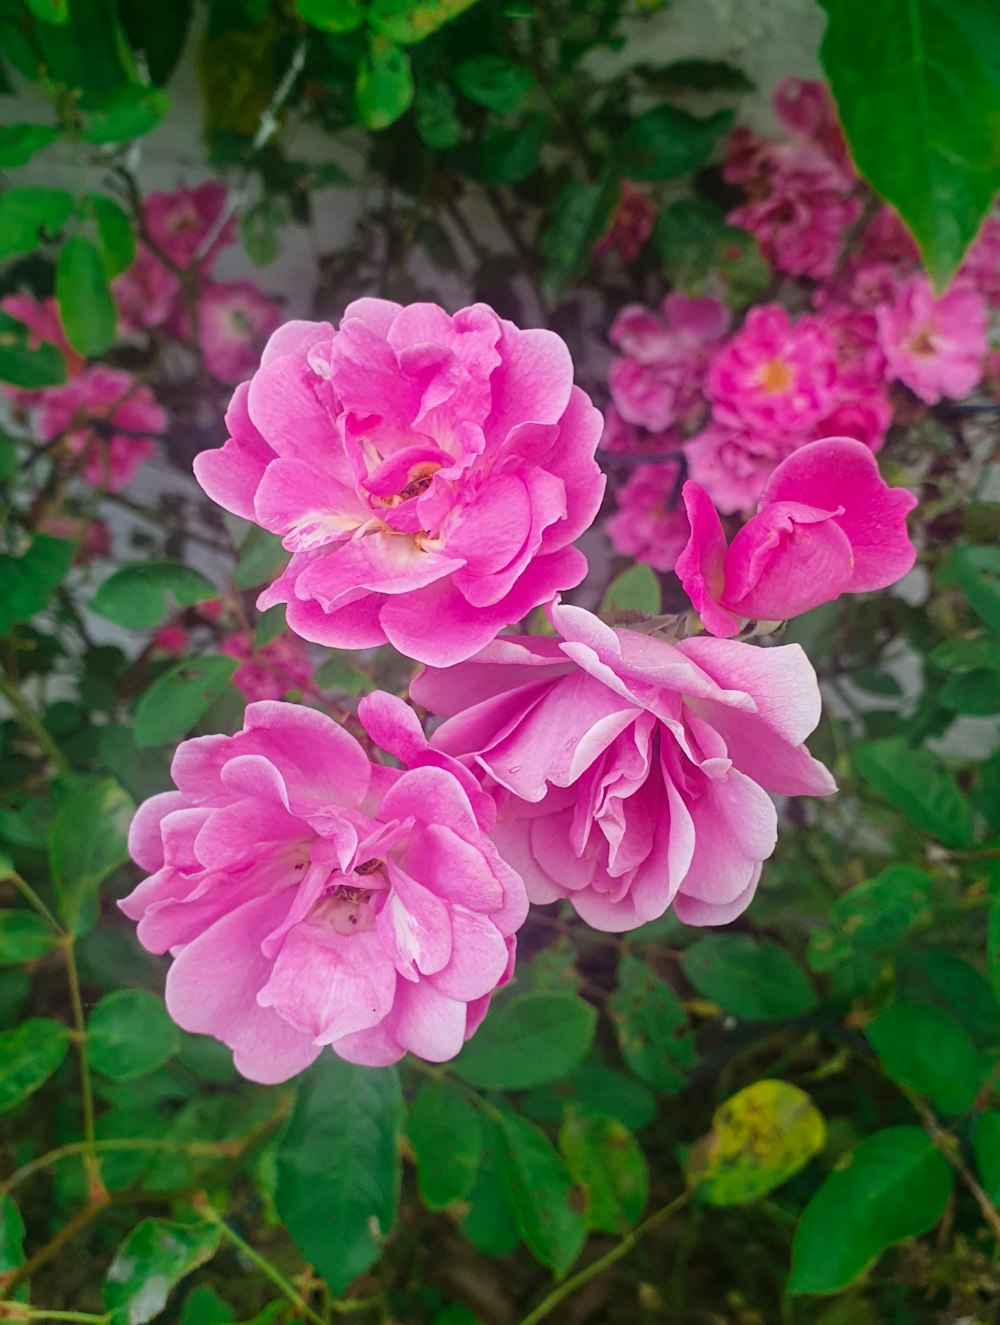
[649, 524]
[312, 898]
[773, 375]
[271, 671]
[147, 294]
[428, 473]
[235, 321]
[172, 640]
[632, 774]
[804, 106]
[108, 418]
[827, 524]
[181, 221]
[935, 346]
[732, 465]
[631, 225]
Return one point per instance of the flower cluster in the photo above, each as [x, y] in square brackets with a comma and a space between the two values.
[875, 336]
[428, 474]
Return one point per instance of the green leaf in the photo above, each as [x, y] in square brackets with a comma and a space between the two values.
[977, 570]
[29, 1055]
[922, 1047]
[697, 247]
[158, 32]
[541, 1193]
[338, 1167]
[975, 693]
[20, 142]
[605, 1159]
[895, 1185]
[758, 982]
[178, 699]
[987, 1148]
[203, 1306]
[969, 654]
[336, 16]
[918, 784]
[259, 231]
[49, 11]
[436, 118]
[29, 216]
[489, 1224]
[88, 839]
[651, 1026]
[494, 83]
[760, 1137]
[532, 1039]
[385, 84]
[131, 111]
[409, 21]
[115, 236]
[867, 920]
[447, 1139]
[665, 143]
[594, 1087]
[261, 558]
[509, 153]
[29, 581]
[25, 367]
[950, 983]
[634, 590]
[928, 142]
[86, 307]
[24, 937]
[12, 1233]
[146, 593]
[130, 1034]
[338, 674]
[155, 1256]
[580, 214]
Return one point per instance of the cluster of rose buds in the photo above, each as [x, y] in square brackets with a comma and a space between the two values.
[429, 475]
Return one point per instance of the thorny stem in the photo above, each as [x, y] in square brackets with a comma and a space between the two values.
[570, 1285]
[30, 722]
[945, 1144]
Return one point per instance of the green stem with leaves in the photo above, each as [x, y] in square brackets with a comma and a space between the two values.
[31, 723]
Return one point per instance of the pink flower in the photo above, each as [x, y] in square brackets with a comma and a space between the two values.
[631, 225]
[270, 672]
[733, 465]
[106, 417]
[801, 210]
[864, 413]
[632, 774]
[171, 639]
[827, 524]
[147, 293]
[311, 898]
[235, 322]
[935, 346]
[621, 438]
[981, 268]
[774, 376]
[180, 222]
[427, 472]
[804, 106]
[649, 523]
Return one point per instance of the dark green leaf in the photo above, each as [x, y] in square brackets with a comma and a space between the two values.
[695, 76]
[665, 143]
[447, 1139]
[495, 83]
[541, 1194]
[155, 1256]
[143, 594]
[141, 772]
[178, 699]
[971, 654]
[927, 143]
[977, 570]
[634, 590]
[509, 153]
[651, 1027]
[261, 558]
[605, 1159]
[580, 215]
[867, 920]
[20, 142]
[918, 784]
[987, 1147]
[203, 1306]
[29, 581]
[758, 982]
[760, 1137]
[86, 307]
[130, 1034]
[697, 247]
[30, 215]
[336, 16]
[338, 1167]
[489, 1224]
[532, 1039]
[975, 693]
[129, 112]
[436, 118]
[29, 1055]
[115, 235]
[408, 21]
[12, 1232]
[895, 1185]
[593, 1087]
[49, 11]
[88, 839]
[24, 937]
[158, 32]
[923, 1048]
[22, 366]
[385, 84]
[950, 983]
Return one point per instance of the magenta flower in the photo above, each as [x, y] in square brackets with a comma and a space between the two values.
[981, 267]
[631, 774]
[181, 222]
[774, 376]
[935, 346]
[107, 420]
[805, 107]
[428, 474]
[271, 671]
[827, 524]
[147, 294]
[235, 322]
[631, 225]
[732, 465]
[312, 898]
[649, 524]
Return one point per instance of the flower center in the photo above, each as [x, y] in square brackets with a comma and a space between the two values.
[921, 343]
[418, 480]
[775, 376]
